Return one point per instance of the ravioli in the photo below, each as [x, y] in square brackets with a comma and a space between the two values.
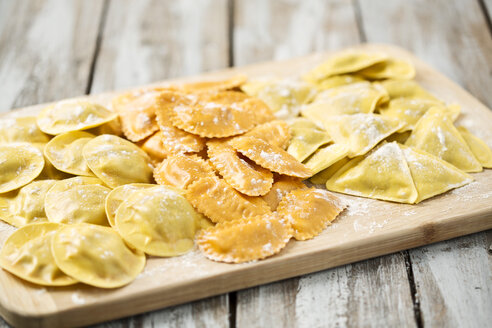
[309, 211]
[281, 187]
[117, 161]
[479, 148]
[217, 200]
[349, 99]
[245, 239]
[342, 63]
[96, 255]
[436, 134]
[397, 88]
[270, 157]
[360, 132]
[20, 163]
[325, 157]
[338, 81]
[76, 200]
[431, 175]
[390, 68]
[65, 152]
[27, 254]
[275, 133]
[73, 115]
[408, 110]
[158, 221]
[154, 147]
[25, 206]
[21, 129]
[244, 176]
[306, 141]
[381, 174]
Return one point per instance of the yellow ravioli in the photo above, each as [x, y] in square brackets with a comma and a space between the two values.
[431, 175]
[242, 175]
[482, 152]
[348, 99]
[117, 161]
[76, 200]
[20, 163]
[325, 157]
[306, 141]
[233, 82]
[397, 88]
[275, 133]
[118, 195]
[26, 205]
[245, 239]
[436, 134]
[309, 211]
[323, 176]
[283, 97]
[381, 174]
[73, 115]
[96, 255]
[270, 157]
[390, 68]
[215, 114]
[344, 62]
[360, 132]
[281, 187]
[400, 137]
[220, 202]
[158, 221]
[27, 254]
[65, 152]
[21, 129]
[338, 81]
[180, 170]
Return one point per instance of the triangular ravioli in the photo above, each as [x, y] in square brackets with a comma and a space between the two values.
[323, 176]
[360, 132]
[325, 157]
[381, 174]
[436, 134]
[389, 69]
[431, 175]
[482, 152]
[398, 88]
[305, 141]
[348, 99]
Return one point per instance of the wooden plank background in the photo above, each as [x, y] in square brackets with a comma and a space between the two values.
[53, 49]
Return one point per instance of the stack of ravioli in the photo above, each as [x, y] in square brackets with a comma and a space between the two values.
[368, 129]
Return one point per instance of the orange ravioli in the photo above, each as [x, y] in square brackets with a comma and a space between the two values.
[242, 175]
[233, 82]
[309, 211]
[245, 239]
[220, 202]
[137, 112]
[281, 187]
[154, 147]
[275, 133]
[214, 114]
[271, 157]
[176, 140]
[180, 170]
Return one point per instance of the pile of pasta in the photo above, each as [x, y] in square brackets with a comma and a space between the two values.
[364, 127]
[94, 191]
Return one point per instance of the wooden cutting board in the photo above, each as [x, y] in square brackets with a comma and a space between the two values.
[369, 228]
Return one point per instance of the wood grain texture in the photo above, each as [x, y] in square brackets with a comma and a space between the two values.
[277, 30]
[453, 279]
[46, 49]
[160, 40]
[369, 228]
[274, 30]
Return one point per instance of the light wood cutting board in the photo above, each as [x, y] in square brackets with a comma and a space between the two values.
[369, 228]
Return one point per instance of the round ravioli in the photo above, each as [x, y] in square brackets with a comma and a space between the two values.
[96, 255]
[245, 239]
[117, 161]
[243, 175]
[21, 129]
[175, 140]
[270, 157]
[275, 133]
[19, 164]
[65, 152]
[26, 205]
[27, 254]
[76, 200]
[309, 211]
[215, 114]
[281, 187]
[73, 115]
[158, 221]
